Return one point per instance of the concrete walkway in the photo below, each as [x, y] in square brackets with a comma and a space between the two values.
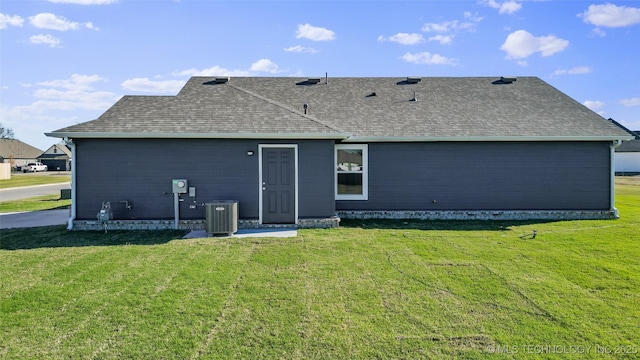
[34, 219]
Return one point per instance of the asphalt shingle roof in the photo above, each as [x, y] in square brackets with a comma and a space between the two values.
[362, 108]
[631, 145]
[17, 149]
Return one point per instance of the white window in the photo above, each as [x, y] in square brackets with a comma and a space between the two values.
[352, 170]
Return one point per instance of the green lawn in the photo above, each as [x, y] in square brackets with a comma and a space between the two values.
[18, 180]
[385, 289]
[47, 202]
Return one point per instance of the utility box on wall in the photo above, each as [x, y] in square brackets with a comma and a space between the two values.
[65, 194]
[179, 186]
[222, 217]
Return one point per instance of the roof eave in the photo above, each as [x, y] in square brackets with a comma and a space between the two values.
[371, 139]
[345, 137]
[169, 135]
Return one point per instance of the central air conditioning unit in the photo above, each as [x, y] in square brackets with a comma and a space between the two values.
[222, 217]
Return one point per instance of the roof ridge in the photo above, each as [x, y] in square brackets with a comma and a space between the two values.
[285, 107]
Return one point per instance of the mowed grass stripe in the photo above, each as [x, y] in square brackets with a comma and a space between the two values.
[116, 300]
[133, 290]
[75, 301]
[180, 314]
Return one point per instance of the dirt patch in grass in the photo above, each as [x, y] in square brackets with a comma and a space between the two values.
[628, 180]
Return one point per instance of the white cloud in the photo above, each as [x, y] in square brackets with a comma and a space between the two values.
[30, 122]
[46, 39]
[265, 65]
[427, 58]
[447, 30]
[631, 102]
[90, 26]
[55, 104]
[70, 94]
[609, 15]
[521, 44]
[71, 100]
[441, 27]
[475, 18]
[442, 39]
[53, 22]
[84, 2]
[506, 7]
[599, 32]
[403, 38]
[510, 7]
[75, 83]
[212, 71]
[151, 86]
[301, 49]
[573, 71]
[262, 65]
[13, 20]
[314, 33]
[594, 105]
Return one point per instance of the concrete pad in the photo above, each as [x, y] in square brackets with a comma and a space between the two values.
[244, 233]
[34, 219]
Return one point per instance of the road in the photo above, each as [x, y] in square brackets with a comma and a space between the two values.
[32, 191]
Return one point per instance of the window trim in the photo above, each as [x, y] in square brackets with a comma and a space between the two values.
[365, 171]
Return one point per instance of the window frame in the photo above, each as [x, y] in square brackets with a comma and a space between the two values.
[365, 171]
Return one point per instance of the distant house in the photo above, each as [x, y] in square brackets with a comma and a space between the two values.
[57, 157]
[307, 152]
[628, 156]
[17, 153]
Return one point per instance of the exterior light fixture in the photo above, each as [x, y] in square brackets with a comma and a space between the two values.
[250, 152]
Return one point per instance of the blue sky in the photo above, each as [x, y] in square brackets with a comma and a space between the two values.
[63, 62]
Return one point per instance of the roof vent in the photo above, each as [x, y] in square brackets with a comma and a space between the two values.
[409, 81]
[504, 80]
[218, 80]
[310, 81]
[372, 94]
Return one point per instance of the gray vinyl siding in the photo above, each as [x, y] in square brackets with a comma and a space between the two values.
[316, 180]
[140, 171]
[487, 176]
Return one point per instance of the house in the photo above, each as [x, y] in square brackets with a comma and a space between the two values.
[17, 153]
[57, 157]
[627, 156]
[308, 152]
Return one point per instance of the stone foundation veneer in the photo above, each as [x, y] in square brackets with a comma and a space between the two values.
[482, 214]
[323, 223]
[333, 222]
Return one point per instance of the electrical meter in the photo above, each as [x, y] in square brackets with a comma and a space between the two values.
[180, 186]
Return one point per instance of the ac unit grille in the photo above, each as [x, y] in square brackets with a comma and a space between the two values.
[222, 217]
